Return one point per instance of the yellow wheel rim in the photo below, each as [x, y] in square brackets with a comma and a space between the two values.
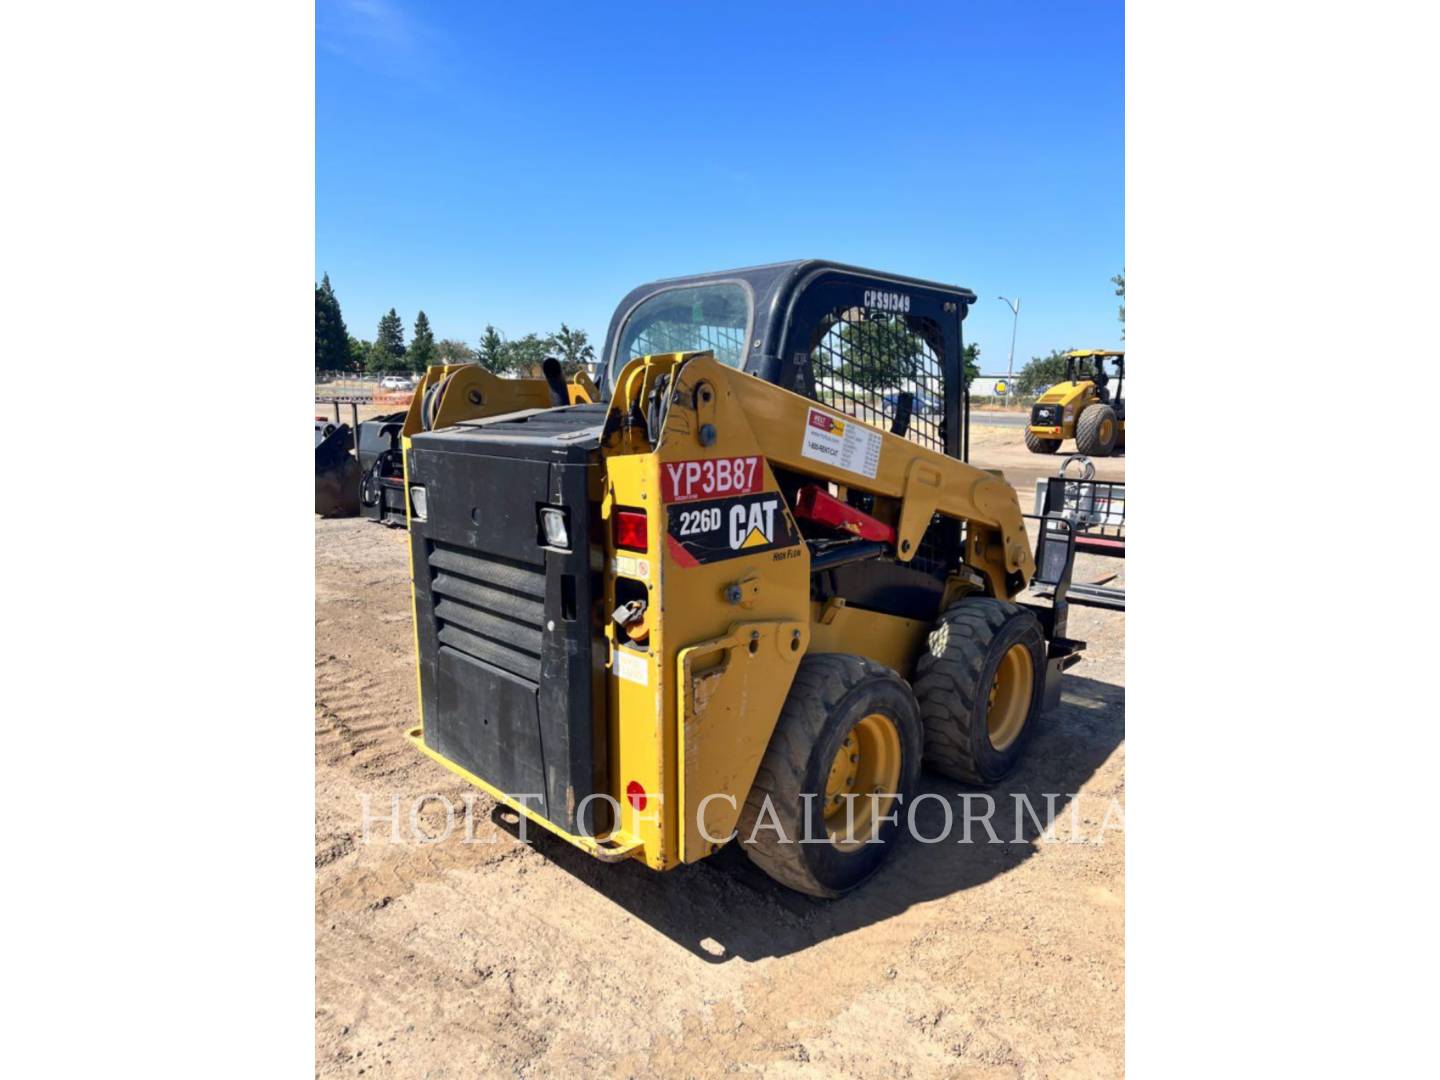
[867, 763]
[1107, 430]
[1010, 696]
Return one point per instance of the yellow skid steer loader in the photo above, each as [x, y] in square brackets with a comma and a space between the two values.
[738, 588]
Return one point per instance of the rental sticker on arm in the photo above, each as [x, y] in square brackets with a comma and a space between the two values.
[846, 443]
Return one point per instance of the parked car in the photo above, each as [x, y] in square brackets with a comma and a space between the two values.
[919, 406]
[396, 382]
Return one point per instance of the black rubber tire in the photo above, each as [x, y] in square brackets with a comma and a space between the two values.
[1037, 445]
[830, 693]
[952, 684]
[1087, 431]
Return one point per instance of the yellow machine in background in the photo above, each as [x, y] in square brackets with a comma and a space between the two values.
[738, 591]
[1082, 407]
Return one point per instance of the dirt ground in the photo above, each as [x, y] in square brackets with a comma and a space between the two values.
[495, 957]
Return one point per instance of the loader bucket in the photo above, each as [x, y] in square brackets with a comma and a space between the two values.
[337, 473]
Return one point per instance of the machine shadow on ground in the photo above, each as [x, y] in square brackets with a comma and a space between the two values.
[725, 908]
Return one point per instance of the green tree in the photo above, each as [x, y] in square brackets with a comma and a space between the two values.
[450, 351]
[1040, 372]
[877, 354]
[492, 354]
[388, 351]
[572, 348]
[1119, 282]
[421, 353]
[971, 356]
[358, 352]
[380, 360]
[390, 341]
[525, 355]
[332, 341]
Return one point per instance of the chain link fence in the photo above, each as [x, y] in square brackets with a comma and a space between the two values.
[365, 387]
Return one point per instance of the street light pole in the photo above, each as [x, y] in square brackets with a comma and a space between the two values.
[1014, 307]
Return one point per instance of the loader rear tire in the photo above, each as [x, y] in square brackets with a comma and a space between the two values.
[1036, 445]
[848, 723]
[979, 684]
[1096, 431]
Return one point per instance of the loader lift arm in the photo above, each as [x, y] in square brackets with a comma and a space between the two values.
[917, 482]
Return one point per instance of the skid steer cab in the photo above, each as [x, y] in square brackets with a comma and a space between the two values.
[736, 590]
[1088, 407]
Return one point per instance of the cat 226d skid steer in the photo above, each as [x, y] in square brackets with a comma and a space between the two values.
[738, 590]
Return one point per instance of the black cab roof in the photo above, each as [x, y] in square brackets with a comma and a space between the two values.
[775, 297]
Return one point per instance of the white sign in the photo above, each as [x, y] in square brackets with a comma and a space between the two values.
[630, 566]
[846, 443]
[632, 667]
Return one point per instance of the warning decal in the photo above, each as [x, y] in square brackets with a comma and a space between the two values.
[631, 667]
[720, 529]
[846, 443]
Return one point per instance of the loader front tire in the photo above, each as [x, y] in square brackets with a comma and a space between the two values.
[979, 683]
[848, 727]
[1097, 431]
[1036, 445]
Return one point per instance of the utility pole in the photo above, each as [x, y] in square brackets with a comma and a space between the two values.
[1014, 307]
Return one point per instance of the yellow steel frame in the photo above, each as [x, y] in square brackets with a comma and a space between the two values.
[476, 392]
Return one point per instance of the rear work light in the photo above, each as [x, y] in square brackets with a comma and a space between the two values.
[552, 522]
[630, 531]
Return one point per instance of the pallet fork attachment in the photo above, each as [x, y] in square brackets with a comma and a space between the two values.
[1054, 567]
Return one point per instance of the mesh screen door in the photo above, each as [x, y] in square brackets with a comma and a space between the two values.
[863, 361]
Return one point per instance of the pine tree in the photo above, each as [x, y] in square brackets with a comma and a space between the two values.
[492, 354]
[388, 352]
[332, 341]
[422, 345]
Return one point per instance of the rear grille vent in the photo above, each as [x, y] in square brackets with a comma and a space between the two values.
[489, 608]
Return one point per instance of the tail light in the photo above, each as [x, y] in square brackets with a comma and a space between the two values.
[635, 792]
[630, 531]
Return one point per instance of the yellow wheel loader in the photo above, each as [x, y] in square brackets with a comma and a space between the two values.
[1083, 407]
[738, 589]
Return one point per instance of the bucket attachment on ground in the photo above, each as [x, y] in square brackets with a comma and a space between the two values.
[337, 473]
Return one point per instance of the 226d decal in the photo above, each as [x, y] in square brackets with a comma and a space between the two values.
[718, 529]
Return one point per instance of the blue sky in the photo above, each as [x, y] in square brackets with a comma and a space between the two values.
[521, 164]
